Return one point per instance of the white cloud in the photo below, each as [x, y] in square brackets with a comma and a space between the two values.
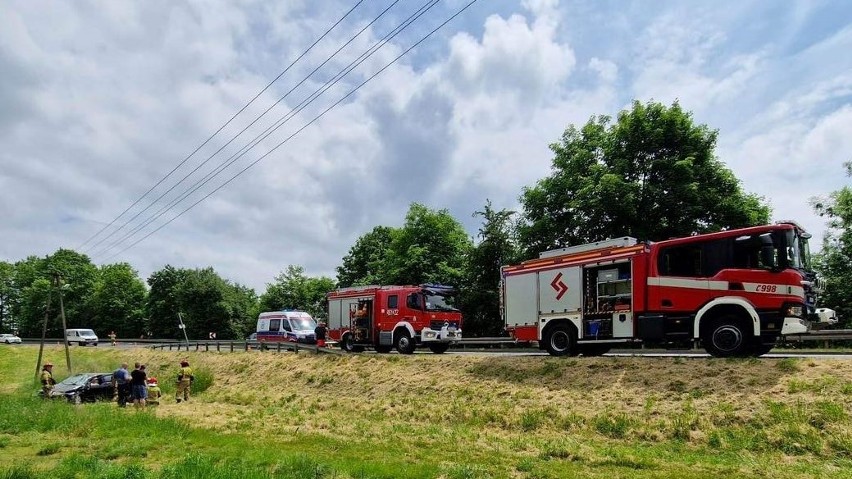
[98, 100]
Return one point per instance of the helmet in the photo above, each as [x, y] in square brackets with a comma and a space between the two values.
[152, 380]
[184, 363]
[48, 364]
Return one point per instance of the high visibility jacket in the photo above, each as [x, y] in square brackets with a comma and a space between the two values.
[47, 378]
[185, 375]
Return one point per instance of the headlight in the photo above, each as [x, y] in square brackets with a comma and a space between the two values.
[795, 311]
[430, 335]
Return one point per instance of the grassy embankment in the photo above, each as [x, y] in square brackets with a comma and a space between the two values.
[279, 415]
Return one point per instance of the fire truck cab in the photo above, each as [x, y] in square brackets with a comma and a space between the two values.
[734, 291]
[387, 317]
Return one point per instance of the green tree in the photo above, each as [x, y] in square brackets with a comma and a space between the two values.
[480, 291]
[365, 262]
[292, 289]
[653, 175]
[163, 303]
[8, 296]
[430, 248]
[78, 275]
[834, 262]
[118, 302]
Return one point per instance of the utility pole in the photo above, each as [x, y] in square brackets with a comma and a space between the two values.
[183, 328]
[43, 334]
[59, 284]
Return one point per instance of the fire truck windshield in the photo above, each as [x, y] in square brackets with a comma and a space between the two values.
[438, 302]
[798, 253]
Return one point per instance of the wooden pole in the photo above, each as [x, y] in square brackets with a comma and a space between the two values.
[43, 334]
[64, 325]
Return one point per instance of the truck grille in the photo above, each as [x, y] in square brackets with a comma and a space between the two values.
[437, 325]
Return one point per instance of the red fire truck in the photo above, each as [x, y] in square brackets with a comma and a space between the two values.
[387, 317]
[735, 291]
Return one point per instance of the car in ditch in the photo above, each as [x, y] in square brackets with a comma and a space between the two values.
[84, 387]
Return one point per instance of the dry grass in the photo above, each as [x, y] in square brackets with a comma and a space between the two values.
[529, 416]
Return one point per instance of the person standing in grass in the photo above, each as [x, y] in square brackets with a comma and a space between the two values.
[47, 381]
[184, 381]
[320, 334]
[138, 385]
[112, 337]
[121, 383]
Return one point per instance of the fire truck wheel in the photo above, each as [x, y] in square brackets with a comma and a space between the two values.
[439, 348]
[403, 342]
[561, 341]
[726, 338]
[347, 343]
[383, 349]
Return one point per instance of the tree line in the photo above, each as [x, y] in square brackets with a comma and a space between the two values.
[651, 173]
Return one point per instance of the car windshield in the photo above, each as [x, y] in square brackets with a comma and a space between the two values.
[439, 302]
[76, 380]
[303, 324]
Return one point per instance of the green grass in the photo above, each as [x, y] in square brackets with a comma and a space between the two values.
[367, 417]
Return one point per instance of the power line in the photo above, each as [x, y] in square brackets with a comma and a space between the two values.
[459, 12]
[359, 2]
[199, 166]
[271, 129]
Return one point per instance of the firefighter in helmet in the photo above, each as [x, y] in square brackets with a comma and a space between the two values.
[184, 381]
[154, 392]
[47, 381]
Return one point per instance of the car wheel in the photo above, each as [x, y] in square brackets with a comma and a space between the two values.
[403, 342]
[77, 399]
[439, 348]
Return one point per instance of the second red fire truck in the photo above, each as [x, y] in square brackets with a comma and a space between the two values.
[734, 291]
[388, 317]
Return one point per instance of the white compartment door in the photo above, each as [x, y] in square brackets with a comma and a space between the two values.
[560, 290]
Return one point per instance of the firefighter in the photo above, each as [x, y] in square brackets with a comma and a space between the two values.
[320, 332]
[47, 381]
[154, 392]
[184, 381]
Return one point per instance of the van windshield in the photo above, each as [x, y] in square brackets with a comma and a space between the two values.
[303, 324]
[87, 332]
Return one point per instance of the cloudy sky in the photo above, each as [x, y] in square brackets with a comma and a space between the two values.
[99, 100]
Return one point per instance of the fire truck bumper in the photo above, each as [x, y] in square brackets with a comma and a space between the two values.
[795, 326]
[443, 335]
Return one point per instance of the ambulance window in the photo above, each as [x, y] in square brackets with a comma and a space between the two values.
[274, 324]
[286, 325]
[393, 301]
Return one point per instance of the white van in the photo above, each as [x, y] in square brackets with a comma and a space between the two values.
[83, 337]
[292, 326]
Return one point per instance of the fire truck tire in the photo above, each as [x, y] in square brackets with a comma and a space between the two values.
[347, 343]
[561, 340]
[383, 349]
[403, 342]
[589, 350]
[726, 337]
[439, 348]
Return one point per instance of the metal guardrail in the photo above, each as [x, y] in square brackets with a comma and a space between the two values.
[231, 346]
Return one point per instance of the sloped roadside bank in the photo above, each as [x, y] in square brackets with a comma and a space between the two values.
[450, 416]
